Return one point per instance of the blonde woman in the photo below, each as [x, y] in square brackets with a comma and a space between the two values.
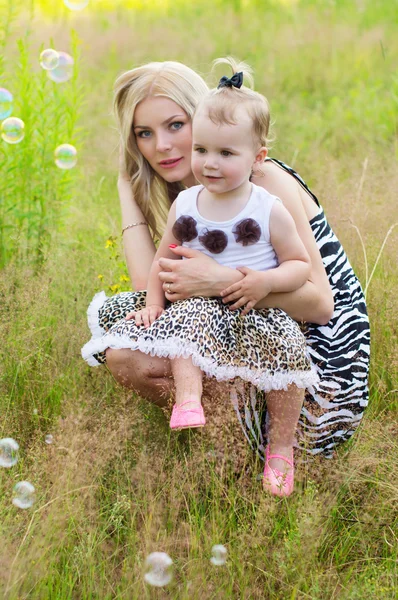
[154, 105]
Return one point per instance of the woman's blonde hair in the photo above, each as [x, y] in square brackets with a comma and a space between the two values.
[171, 80]
[221, 103]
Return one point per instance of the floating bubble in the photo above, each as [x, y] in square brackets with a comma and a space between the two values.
[64, 71]
[158, 566]
[49, 439]
[76, 4]
[8, 452]
[13, 130]
[65, 156]
[219, 553]
[24, 494]
[49, 59]
[35, 411]
[5, 103]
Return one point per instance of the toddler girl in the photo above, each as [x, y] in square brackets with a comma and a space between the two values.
[242, 226]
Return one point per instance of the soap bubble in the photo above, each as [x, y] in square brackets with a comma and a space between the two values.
[24, 494]
[158, 566]
[65, 156]
[76, 4]
[13, 130]
[49, 439]
[5, 103]
[219, 553]
[35, 411]
[8, 452]
[63, 72]
[49, 59]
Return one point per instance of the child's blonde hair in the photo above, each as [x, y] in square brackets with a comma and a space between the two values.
[221, 103]
[171, 80]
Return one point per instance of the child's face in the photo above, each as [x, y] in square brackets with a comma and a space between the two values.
[223, 155]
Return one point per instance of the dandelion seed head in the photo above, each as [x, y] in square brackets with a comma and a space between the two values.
[49, 439]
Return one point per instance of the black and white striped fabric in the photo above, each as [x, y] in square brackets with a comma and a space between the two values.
[340, 350]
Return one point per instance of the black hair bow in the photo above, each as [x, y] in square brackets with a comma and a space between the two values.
[235, 81]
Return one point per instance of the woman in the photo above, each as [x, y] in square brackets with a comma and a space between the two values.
[154, 104]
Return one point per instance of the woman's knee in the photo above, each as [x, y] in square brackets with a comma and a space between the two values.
[135, 369]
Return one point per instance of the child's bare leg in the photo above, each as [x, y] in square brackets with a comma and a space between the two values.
[284, 407]
[188, 382]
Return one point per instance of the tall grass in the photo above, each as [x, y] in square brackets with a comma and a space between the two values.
[115, 485]
[35, 194]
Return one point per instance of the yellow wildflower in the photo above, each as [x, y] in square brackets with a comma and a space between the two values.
[115, 288]
[110, 242]
[100, 277]
[124, 279]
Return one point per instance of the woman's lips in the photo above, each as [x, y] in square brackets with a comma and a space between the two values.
[170, 163]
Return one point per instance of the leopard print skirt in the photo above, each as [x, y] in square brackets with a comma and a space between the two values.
[266, 348]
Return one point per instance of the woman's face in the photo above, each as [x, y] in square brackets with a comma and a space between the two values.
[164, 137]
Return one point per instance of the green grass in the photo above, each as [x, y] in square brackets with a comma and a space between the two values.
[115, 485]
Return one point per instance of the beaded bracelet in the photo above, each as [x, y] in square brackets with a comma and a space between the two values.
[133, 225]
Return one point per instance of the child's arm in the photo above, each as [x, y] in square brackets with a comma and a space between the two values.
[293, 270]
[155, 299]
[294, 261]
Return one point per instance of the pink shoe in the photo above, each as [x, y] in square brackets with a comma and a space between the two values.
[190, 417]
[279, 484]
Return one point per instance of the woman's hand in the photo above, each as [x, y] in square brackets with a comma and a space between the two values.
[198, 276]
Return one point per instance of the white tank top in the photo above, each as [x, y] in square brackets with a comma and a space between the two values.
[241, 249]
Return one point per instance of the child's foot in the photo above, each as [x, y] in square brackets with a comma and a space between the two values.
[187, 414]
[279, 473]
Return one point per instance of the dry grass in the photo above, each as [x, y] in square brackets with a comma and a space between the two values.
[115, 485]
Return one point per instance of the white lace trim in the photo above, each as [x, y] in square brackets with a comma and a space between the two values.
[92, 314]
[174, 347]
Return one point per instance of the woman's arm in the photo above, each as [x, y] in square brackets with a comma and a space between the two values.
[313, 302]
[139, 248]
[155, 292]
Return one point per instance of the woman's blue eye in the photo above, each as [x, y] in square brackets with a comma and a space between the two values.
[142, 134]
[176, 125]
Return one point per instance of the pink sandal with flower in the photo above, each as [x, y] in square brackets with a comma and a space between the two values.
[274, 481]
[189, 417]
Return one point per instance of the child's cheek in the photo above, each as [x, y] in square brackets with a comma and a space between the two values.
[196, 166]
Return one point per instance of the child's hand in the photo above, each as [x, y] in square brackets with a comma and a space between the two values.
[251, 289]
[145, 316]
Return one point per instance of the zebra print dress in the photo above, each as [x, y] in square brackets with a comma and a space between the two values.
[334, 407]
[340, 351]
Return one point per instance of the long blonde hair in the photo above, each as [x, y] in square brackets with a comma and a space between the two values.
[171, 80]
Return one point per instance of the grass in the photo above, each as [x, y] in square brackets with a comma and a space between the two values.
[115, 485]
